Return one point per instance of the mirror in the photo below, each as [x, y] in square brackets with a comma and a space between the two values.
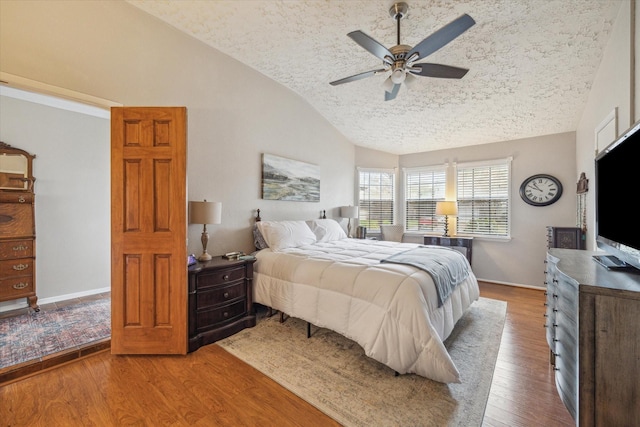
[15, 169]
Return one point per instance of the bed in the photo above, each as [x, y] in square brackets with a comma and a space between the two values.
[392, 308]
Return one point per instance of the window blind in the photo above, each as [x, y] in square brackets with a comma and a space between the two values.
[423, 188]
[377, 198]
[483, 198]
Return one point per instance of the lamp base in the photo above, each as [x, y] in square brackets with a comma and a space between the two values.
[204, 257]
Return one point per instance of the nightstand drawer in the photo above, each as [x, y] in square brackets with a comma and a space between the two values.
[208, 319]
[220, 295]
[220, 277]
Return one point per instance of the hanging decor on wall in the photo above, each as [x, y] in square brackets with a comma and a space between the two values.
[286, 179]
[581, 214]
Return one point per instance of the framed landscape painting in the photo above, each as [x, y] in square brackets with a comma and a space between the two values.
[286, 179]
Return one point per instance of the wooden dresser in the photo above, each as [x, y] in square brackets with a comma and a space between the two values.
[17, 226]
[593, 331]
[220, 300]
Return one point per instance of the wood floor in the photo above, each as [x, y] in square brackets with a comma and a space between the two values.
[211, 387]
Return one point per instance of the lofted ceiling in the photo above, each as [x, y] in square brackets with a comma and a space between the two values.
[531, 63]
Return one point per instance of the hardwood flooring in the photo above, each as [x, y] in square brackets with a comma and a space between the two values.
[211, 387]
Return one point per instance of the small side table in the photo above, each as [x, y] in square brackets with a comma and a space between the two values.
[220, 300]
[461, 244]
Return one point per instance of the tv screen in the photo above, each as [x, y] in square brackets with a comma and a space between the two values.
[617, 173]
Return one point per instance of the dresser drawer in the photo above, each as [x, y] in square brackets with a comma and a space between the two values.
[220, 277]
[16, 267]
[220, 295]
[15, 287]
[208, 319]
[16, 220]
[16, 197]
[16, 249]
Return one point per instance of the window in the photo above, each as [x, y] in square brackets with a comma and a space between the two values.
[377, 198]
[423, 188]
[483, 198]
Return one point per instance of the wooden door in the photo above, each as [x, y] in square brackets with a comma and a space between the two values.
[148, 230]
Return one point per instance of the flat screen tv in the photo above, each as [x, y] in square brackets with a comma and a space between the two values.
[617, 196]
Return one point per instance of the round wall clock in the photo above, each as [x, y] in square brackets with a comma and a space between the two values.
[541, 190]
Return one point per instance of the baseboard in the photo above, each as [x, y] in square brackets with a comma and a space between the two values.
[22, 302]
[517, 285]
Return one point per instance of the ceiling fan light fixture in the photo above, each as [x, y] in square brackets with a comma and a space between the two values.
[388, 84]
[398, 75]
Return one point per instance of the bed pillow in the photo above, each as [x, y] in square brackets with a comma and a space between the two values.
[286, 234]
[258, 239]
[326, 230]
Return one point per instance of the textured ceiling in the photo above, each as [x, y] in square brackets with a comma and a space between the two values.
[531, 62]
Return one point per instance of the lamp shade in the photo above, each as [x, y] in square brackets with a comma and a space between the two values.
[447, 208]
[205, 212]
[349, 212]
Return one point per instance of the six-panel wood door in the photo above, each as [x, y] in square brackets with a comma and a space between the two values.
[148, 230]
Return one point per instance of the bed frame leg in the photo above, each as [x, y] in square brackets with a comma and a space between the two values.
[308, 330]
[396, 374]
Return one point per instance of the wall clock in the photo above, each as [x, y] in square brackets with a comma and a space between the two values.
[541, 190]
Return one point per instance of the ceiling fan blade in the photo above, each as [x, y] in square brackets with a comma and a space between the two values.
[443, 36]
[356, 77]
[370, 45]
[439, 71]
[389, 96]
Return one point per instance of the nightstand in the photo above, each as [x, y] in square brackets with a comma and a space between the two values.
[461, 244]
[220, 300]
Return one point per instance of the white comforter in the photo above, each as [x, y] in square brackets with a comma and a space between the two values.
[391, 310]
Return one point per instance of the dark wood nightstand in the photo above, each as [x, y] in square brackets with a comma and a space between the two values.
[461, 244]
[220, 300]
[565, 238]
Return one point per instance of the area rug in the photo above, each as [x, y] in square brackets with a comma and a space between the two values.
[332, 372]
[37, 334]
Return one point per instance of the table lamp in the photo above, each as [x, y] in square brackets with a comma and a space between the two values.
[446, 208]
[349, 212]
[205, 213]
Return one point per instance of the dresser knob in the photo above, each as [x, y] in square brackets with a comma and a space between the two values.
[20, 248]
[225, 277]
[225, 314]
[21, 199]
[226, 295]
[20, 267]
[20, 285]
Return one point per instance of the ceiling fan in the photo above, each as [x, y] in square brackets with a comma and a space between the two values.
[402, 59]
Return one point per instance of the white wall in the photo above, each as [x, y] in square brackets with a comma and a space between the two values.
[114, 51]
[612, 89]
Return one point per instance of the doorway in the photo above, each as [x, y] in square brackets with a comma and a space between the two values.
[71, 141]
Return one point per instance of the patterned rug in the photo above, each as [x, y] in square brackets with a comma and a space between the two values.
[332, 372]
[34, 335]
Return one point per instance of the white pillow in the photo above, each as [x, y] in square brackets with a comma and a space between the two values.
[326, 230]
[286, 234]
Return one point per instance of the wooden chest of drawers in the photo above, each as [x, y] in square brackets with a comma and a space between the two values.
[17, 251]
[220, 300]
[592, 320]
